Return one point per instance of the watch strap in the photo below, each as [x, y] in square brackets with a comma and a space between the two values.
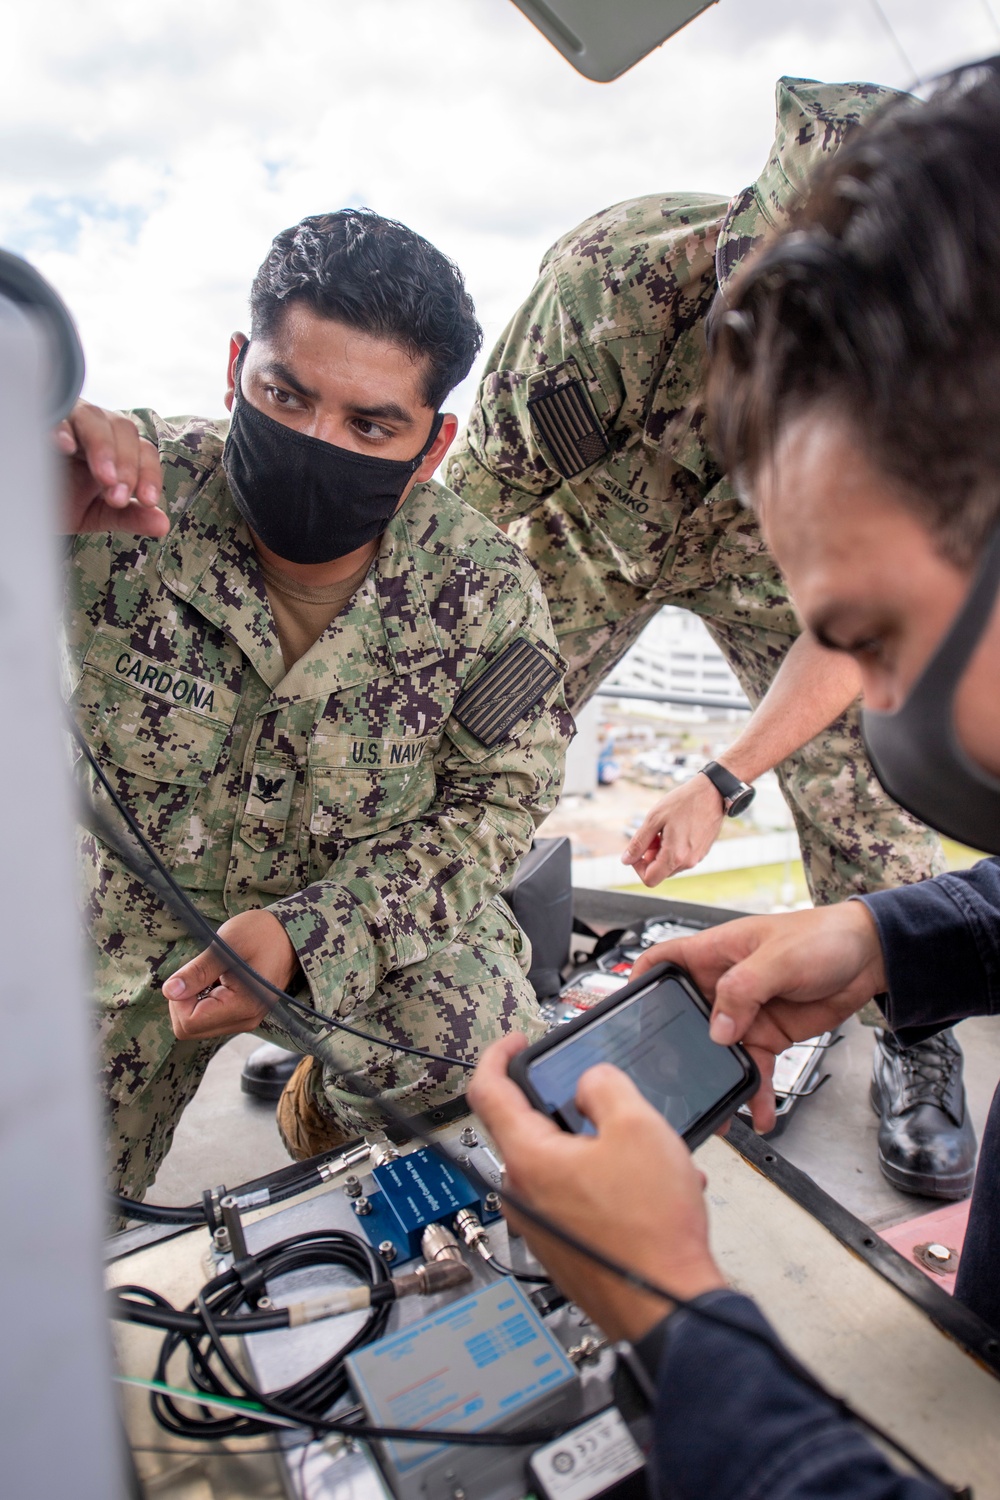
[726, 784]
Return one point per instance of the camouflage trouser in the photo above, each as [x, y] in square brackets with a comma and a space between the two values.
[853, 838]
[141, 1119]
[455, 1002]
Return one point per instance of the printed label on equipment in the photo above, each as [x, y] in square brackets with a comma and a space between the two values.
[485, 1361]
[589, 1460]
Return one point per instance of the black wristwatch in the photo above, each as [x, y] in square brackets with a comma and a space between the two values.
[736, 794]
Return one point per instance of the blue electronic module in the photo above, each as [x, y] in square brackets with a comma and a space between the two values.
[414, 1191]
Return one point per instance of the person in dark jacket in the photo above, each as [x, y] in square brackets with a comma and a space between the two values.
[856, 394]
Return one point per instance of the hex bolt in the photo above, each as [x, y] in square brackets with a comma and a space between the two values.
[468, 1137]
[220, 1239]
[387, 1250]
[939, 1259]
[492, 1203]
[352, 1186]
[362, 1205]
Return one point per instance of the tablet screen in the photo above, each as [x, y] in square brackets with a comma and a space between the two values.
[660, 1039]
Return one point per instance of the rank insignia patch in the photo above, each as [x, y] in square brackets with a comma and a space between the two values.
[518, 679]
[271, 787]
[565, 420]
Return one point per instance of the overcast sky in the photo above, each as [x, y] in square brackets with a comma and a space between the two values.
[149, 152]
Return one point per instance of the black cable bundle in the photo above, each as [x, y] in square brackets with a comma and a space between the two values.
[214, 1316]
[288, 1182]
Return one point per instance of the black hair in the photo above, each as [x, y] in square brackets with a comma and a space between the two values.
[377, 276]
[882, 303]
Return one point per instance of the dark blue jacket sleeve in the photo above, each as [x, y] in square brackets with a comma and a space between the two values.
[733, 1423]
[941, 945]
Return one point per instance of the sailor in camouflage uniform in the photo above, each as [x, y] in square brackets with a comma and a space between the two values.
[588, 442]
[362, 804]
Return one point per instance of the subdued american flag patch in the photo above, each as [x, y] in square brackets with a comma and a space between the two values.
[511, 686]
[566, 422]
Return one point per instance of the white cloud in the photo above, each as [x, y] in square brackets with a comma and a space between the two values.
[151, 152]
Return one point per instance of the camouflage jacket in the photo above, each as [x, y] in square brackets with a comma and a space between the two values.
[376, 796]
[596, 384]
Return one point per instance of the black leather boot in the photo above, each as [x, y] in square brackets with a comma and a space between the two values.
[926, 1143]
[267, 1070]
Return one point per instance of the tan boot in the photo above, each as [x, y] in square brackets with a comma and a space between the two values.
[305, 1127]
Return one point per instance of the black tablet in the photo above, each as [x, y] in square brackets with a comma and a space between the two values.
[656, 1031]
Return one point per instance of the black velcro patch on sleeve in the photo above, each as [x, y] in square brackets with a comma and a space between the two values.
[511, 686]
[567, 423]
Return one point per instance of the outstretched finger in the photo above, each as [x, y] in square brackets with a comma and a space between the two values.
[743, 990]
[96, 444]
[194, 977]
[149, 483]
[640, 841]
[133, 518]
[64, 439]
[220, 1011]
[663, 863]
[607, 1096]
[763, 1105]
[127, 442]
[694, 954]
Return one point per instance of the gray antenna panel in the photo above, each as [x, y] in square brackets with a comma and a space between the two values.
[604, 38]
[58, 1423]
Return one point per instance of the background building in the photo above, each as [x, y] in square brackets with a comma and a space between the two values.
[675, 654]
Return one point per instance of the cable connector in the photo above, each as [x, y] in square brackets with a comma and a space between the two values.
[439, 1276]
[470, 1228]
[588, 1351]
[343, 1300]
[423, 1282]
[438, 1243]
[337, 1164]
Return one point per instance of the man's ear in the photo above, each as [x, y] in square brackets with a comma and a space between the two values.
[438, 449]
[235, 345]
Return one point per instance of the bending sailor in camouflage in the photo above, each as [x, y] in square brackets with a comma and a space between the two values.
[587, 440]
[341, 752]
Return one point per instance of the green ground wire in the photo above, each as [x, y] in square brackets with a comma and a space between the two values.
[229, 1403]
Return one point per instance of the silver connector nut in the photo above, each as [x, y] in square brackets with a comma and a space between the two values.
[438, 1243]
[471, 1230]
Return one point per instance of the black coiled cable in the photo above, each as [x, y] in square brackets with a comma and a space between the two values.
[212, 1369]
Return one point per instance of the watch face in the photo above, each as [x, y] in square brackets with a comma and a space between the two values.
[740, 802]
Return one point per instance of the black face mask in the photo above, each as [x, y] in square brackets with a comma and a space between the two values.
[916, 752]
[309, 501]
